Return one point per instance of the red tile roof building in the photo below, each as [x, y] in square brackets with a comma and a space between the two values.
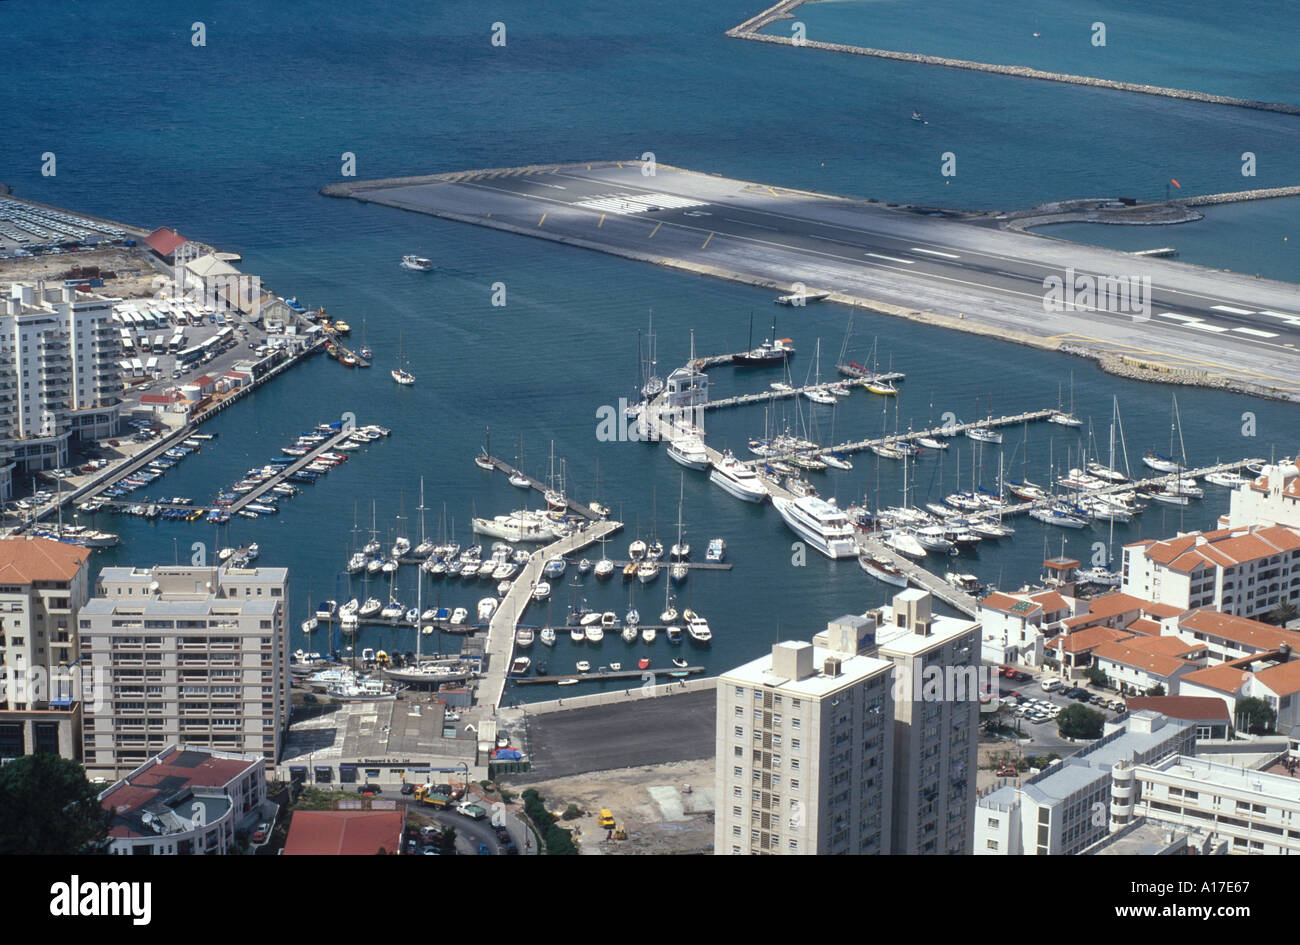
[345, 832]
[1242, 571]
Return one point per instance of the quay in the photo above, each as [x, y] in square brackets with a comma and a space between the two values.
[944, 269]
[649, 671]
[500, 645]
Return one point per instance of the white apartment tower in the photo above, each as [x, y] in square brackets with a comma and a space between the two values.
[59, 373]
[804, 751]
[185, 655]
[936, 724]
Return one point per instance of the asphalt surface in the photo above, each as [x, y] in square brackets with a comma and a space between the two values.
[1200, 316]
[622, 735]
[1045, 735]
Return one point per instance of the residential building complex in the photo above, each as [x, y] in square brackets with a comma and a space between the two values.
[804, 754]
[184, 801]
[59, 376]
[43, 584]
[1244, 571]
[1253, 811]
[936, 724]
[186, 655]
[1065, 807]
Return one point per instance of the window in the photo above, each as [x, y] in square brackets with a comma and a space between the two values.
[740, 731]
[992, 845]
[794, 764]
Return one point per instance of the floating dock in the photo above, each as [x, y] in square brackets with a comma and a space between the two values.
[615, 675]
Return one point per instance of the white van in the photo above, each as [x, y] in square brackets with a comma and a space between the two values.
[1050, 684]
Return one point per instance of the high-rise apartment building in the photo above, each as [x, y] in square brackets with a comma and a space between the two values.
[185, 655]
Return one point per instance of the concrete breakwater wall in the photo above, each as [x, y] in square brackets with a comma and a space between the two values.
[1237, 196]
[749, 30]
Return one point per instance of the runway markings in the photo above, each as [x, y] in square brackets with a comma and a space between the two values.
[1191, 321]
[905, 262]
[542, 220]
[1233, 311]
[637, 203]
[1289, 319]
[655, 230]
[747, 223]
[601, 221]
[934, 252]
[706, 241]
[1256, 333]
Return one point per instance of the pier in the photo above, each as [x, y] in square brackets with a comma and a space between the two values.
[284, 473]
[649, 671]
[500, 646]
[763, 396]
[537, 485]
[1140, 485]
[918, 576]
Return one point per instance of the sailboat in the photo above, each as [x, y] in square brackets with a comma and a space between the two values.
[816, 394]
[1060, 417]
[312, 622]
[484, 459]
[555, 499]
[773, 350]
[1158, 461]
[517, 478]
[401, 374]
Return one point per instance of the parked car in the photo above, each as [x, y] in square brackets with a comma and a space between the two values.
[1007, 771]
[502, 834]
[408, 788]
[259, 835]
[484, 850]
[1050, 684]
[369, 790]
[473, 811]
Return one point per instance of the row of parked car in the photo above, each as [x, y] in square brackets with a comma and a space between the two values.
[1078, 693]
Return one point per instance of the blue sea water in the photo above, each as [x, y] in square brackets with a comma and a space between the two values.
[230, 142]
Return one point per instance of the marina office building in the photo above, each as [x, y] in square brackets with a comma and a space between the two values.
[43, 584]
[59, 376]
[185, 655]
[831, 747]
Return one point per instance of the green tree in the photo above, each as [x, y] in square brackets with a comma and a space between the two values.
[447, 842]
[1097, 676]
[50, 808]
[1255, 716]
[1079, 721]
[1282, 612]
[1157, 690]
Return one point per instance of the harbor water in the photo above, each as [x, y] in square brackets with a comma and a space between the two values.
[233, 146]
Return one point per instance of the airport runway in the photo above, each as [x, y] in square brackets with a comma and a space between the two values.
[1197, 318]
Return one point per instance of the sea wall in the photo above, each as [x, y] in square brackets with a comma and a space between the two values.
[784, 10]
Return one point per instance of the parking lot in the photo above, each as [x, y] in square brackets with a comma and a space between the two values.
[1033, 710]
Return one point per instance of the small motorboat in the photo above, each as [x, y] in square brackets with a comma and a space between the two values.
[520, 666]
[680, 663]
[583, 666]
[615, 667]
[648, 634]
[548, 636]
[577, 634]
[643, 663]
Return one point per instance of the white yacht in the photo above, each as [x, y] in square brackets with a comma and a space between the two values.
[417, 263]
[689, 452]
[823, 525]
[739, 480]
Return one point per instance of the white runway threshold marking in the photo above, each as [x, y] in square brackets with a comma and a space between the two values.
[1233, 311]
[905, 262]
[1256, 333]
[933, 252]
[637, 203]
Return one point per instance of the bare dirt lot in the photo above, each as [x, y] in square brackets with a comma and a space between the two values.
[134, 273]
[664, 809]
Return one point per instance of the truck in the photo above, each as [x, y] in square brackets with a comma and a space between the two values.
[606, 819]
[437, 795]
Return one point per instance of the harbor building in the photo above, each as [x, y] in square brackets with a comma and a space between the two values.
[185, 801]
[1243, 571]
[804, 752]
[192, 655]
[1252, 811]
[1065, 808]
[43, 585]
[936, 724]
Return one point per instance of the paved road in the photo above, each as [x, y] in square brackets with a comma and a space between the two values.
[601, 738]
[1202, 316]
[1045, 735]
